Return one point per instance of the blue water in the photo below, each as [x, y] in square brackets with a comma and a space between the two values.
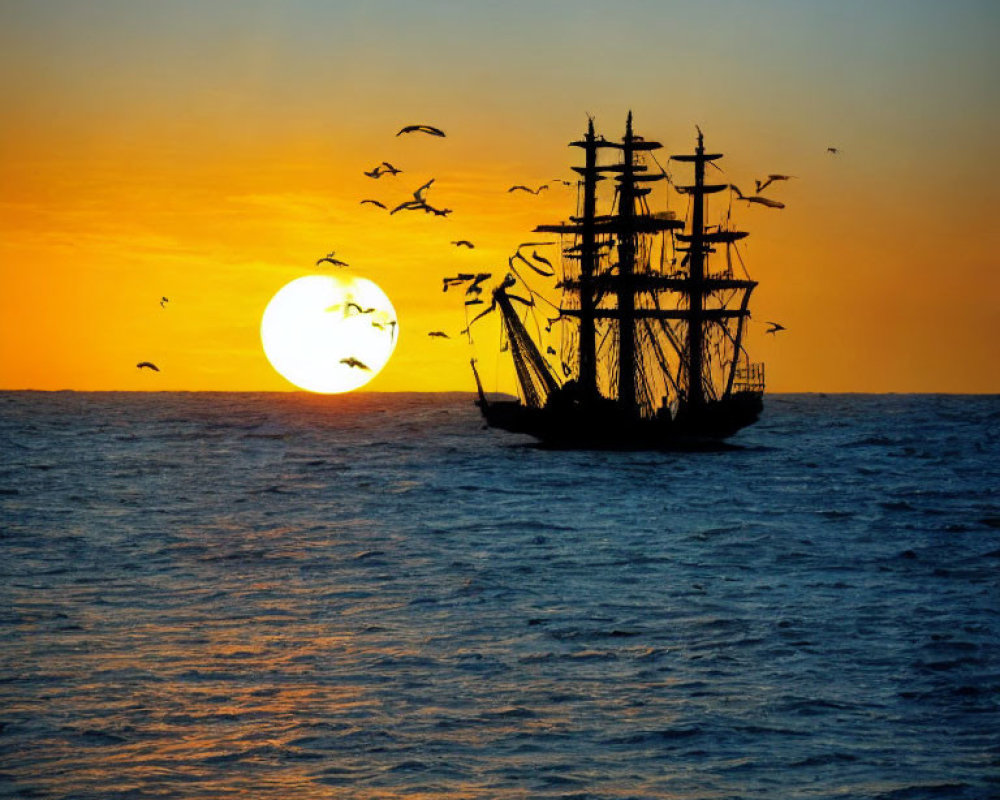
[370, 596]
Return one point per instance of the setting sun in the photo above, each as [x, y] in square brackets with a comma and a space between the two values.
[329, 334]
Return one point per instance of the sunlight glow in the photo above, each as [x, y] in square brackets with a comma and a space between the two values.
[329, 334]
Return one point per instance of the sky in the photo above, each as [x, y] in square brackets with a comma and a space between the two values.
[212, 152]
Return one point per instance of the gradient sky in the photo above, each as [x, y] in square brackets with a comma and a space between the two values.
[211, 152]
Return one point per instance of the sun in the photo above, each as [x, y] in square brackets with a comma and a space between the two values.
[328, 333]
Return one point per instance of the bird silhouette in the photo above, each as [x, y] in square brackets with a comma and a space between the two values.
[335, 261]
[775, 327]
[409, 205]
[430, 129]
[464, 243]
[438, 212]
[351, 361]
[833, 150]
[373, 202]
[439, 334]
[419, 194]
[523, 188]
[764, 201]
[761, 185]
[148, 365]
[390, 169]
[376, 172]
[164, 301]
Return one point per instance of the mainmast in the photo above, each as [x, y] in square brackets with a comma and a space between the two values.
[697, 247]
[588, 264]
[626, 268]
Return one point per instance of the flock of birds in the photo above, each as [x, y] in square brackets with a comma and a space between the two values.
[473, 281]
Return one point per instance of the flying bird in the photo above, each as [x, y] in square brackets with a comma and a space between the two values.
[761, 185]
[164, 301]
[351, 361]
[335, 261]
[464, 243]
[440, 212]
[373, 202]
[390, 169]
[419, 194]
[833, 150]
[439, 334]
[375, 172]
[521, 187]
[148, 365]
[421, 129]
[775, 327]
[409, 205]
[764, 201]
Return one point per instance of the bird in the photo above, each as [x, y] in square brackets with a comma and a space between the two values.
[335, 261]
[523, 188]
[764, 201]
[373, 202]
[462, 277]
[439, 334]
[376, 172]
[475, 302]
[419, 194]
[409, 205]
[390, 169]
[351, 361]
[421, 129]
[761, 185]
[440, 212]
[164, 301]
[775, 327]
[464, 243]
[833, 150]
[148, 365]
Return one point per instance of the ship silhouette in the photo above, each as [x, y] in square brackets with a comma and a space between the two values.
[652, 354]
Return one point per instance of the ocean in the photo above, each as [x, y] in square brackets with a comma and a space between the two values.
[370, 596]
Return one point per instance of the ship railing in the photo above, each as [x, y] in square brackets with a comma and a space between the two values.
[749, 378]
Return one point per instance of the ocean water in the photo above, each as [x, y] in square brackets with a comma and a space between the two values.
[371, 596]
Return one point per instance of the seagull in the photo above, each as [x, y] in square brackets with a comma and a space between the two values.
[464, 243]
[335, 261]
[523, 188]
[462, 277]
[441, 212]
[390, 169]
[421, 129]
[775, 327]
[409, 205]
[764, 201]
[419, 194]
[439, 334]
[351, 361]
[761, 185]
[833, 150]
[164, 301]
[374, 203]
[375, 173]
[148, 365]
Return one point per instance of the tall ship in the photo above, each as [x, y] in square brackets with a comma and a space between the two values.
[651, 316]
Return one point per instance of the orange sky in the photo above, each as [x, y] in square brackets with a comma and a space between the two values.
[212, 154]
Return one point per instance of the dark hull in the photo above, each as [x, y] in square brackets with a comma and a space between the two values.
[603, 426]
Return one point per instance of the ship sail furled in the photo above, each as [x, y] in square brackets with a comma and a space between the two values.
[660, 325]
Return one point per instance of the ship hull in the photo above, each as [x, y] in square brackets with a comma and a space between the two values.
[603, 426]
